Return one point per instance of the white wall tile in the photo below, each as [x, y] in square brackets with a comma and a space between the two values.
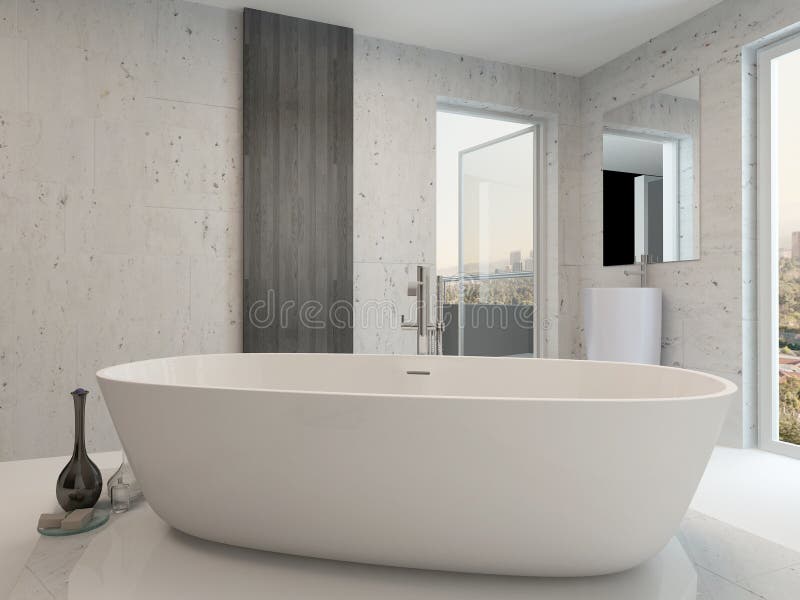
[14, 70]
[8, 375]
[90, 83]
[672, 335]
[198, 35]
[90, 24]
[380, 301]
[215, 318]
[54, 148]
[8, 17]
[120, 196]
[209, 276]
[60, 79]
[179, 160]
[569, 190]
[120, 318]
[113, 25]
[568, 91]
[119, 154]
[190, 232]
[64, 22]
[223, 120]
[396, 234]
[44, 355]
[41, 222]
[104, 221]
[188, 83]
[18, 134]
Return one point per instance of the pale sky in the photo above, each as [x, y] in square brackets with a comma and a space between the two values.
[787, 129]
[456, 132]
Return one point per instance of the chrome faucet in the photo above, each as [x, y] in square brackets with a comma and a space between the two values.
[641, 271]
[429, 335]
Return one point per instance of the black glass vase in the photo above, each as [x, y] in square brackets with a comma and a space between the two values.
[80, 483]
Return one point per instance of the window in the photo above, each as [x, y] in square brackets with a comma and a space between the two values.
[779, 246]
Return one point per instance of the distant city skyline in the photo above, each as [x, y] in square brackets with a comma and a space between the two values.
[515, 263]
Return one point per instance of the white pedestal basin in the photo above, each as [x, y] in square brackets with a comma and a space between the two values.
[623, 324]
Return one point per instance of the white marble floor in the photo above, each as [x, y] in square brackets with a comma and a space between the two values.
[755, 495]
[28, 491]
[733, 564]
[753, 490]
[140, 557]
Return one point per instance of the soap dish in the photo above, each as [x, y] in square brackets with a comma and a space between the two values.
[99, 518]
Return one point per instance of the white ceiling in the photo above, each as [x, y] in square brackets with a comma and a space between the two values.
[567, 36]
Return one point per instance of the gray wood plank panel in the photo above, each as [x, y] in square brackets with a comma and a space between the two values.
[298, 185]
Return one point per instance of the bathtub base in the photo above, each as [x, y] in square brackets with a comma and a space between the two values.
[138, 556]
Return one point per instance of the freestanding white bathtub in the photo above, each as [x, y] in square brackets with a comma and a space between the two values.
[487, 465]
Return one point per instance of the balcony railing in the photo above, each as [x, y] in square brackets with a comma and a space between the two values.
[508, 288]
[488, 276]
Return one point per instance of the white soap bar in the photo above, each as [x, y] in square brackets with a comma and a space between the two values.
[51, 520]
[77, 518]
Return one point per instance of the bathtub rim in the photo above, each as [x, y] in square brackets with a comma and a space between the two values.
[729, 388]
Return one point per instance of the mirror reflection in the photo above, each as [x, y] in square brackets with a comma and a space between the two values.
[650, 178]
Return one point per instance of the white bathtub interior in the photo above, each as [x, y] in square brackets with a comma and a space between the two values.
[419, 375]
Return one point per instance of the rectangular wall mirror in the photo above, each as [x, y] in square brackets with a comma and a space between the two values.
[651, 177]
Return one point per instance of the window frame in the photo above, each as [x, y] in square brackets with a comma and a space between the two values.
[768, 253]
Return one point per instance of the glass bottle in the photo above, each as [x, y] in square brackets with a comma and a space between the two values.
[80, 482]
[123, 489]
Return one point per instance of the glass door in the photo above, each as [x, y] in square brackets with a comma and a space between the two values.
[497, 288]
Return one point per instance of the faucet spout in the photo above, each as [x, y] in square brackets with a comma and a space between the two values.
[641, 271]
[429, 333]
[419, 288]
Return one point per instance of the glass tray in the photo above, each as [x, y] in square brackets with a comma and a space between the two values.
[99, 518]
